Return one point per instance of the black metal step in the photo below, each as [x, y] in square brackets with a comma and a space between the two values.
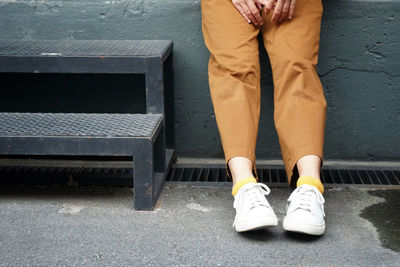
[83, 48]
[80, 56]
[76, 134]
[77, 124]
[139, 136]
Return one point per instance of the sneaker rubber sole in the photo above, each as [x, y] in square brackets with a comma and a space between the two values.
[256, 224]
[303, 228]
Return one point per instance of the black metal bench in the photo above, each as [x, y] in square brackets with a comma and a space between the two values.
[144, 137]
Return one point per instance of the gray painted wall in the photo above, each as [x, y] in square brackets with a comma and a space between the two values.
[359, 66]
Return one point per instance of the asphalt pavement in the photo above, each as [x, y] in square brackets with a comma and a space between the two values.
[191, 226]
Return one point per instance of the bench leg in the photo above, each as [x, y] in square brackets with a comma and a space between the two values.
[147, 183]
[143, 177]
[160, 164]
[169, 106]
[154, 86]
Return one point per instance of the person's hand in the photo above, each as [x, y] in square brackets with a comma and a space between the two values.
[283, 8]
[250, 9]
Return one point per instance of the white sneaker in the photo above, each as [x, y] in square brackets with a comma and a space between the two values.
[305, 213]
[252, 208]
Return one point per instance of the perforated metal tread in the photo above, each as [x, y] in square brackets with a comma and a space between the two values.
[81, 48]
[78, 124]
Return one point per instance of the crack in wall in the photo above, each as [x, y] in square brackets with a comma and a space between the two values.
[357, 70]
[375, 54]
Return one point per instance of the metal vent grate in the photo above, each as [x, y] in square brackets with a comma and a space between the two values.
[115, 171]
[276, 175]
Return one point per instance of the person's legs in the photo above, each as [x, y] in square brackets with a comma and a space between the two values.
[299, 100]
[309, 165]
[299, 111]
[234, 80]
[240, 167]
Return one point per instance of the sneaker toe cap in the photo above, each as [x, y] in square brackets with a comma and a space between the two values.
[305, 217]
[259, 212]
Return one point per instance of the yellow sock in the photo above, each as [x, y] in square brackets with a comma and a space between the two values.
[311, 181]
[241, 183]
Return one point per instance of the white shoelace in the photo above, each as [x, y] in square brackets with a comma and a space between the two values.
[304, 197]
[256, 193]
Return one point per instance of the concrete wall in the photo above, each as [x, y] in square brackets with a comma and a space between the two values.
[359, 66]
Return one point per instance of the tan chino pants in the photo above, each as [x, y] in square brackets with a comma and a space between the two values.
[234, 80]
